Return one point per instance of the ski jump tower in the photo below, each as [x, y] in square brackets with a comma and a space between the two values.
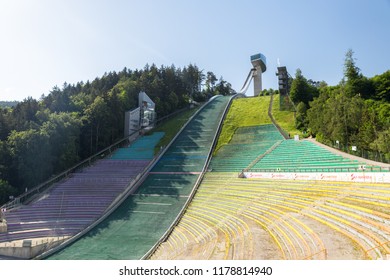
[259, 66]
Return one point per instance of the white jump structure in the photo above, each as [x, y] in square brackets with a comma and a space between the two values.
[259, 67]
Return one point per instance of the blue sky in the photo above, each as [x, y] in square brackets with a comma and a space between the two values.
[48, 42]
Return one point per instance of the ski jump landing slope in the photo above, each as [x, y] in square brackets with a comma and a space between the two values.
[140, 221]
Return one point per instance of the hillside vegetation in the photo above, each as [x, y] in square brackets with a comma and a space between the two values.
[285, 119]
[5, 104]
[40, 138]
[354, 113]
[244, 112]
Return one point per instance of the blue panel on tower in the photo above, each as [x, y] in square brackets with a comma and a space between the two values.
[259, 60]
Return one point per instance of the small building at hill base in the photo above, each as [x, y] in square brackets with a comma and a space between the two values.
[143, 117]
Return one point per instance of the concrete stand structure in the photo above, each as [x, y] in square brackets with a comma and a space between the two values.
[3, 222]
[143, 117]
[3, 226]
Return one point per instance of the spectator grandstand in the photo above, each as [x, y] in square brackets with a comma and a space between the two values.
[235, 218]
[73, 204]
[246, 145]
[252, 218]
[143, 218]
[263, 149]
[228, 217]
[305, 156]
[142, 149]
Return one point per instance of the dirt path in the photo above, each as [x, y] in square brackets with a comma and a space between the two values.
[285, 135]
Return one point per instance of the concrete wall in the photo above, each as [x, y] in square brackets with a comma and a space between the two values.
[28, 250]
[3, 226]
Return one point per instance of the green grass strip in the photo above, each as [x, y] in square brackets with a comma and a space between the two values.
[244, 112]
[285, 119]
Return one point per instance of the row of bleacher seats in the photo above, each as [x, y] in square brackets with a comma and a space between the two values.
[73, 204]
[301, 156]
[263, 149]
[246, 145]
[287, 219]
[139, 149]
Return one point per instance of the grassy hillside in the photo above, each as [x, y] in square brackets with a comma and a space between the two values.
[244, 112]
[285, 119]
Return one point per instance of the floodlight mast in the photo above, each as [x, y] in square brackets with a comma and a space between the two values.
[259, 67]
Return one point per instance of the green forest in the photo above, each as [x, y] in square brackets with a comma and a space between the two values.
[40, 138]
[356, 112]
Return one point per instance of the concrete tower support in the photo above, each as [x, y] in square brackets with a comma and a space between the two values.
[257, 83]
[259, 66]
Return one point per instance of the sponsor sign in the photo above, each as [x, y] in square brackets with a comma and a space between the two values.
[375, 177]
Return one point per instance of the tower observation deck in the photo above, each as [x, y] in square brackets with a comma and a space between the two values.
[259, 66]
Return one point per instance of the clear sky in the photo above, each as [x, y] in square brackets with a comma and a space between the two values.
[48, 42]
